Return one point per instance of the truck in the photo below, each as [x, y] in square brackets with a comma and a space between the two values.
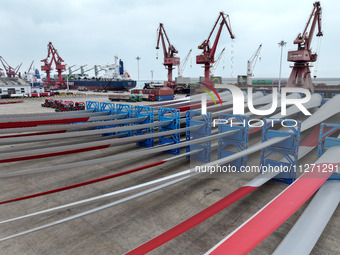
[41, 94]
[79, 106]
[48, 103]
[125, 97]
[148, 97]
[64, 107]
[120, 97]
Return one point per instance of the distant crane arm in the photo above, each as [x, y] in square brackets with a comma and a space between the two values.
[17, 68]
[215, 65]
[304, 40]
[253, 59]
[70, 69]
[161, 37]
[224, 21]
[88, 69]
[251, 64]
[82, 71]
[171, 49]
[184, 64]
[303, 56]
[219, 57]
[10, 71]
[4, 64]
[208, 55]
[29, 69]
[75, 70]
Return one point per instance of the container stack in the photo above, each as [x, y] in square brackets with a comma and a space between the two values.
[163, 94]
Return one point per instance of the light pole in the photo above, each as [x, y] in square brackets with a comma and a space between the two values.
[151, 75]
[68, 87]
[281, 44]
[138, 58]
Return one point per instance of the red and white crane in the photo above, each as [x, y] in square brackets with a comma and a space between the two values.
[170, 59]
[300, 75]
[10, 71]
[208, 56]
[53, 56]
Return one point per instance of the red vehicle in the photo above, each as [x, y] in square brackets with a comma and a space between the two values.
[152, 97]
[44, 94]
[79, 106]
[48, 103]
[70, 102]
[41, 94]
[34, 94]
[57, 103]
[64, 107]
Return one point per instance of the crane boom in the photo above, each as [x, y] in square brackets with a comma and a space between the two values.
[88, 70]
[82, 71]
[208, 56]
[304, 40]
[96, 70]
[251, 64]
[29, 69]
[181, 68]
[169, 52]
[75, 70]
[215, 65]
[300, 75]
[70, 69]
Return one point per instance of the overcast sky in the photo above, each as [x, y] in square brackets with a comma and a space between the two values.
[94, 31]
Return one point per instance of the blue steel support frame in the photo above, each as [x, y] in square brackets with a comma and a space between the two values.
[288, 148]
[107, 107]
[110, 109]
[92, 105]
[324, 100]
[148, 112]
[204, 131]
[327, 142]
[166, 114]
[239, 140]
[128, 110]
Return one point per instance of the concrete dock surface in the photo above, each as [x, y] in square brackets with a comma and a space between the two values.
[121, 228]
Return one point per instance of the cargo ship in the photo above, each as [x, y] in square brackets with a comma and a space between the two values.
[34, 79]
[115, 78]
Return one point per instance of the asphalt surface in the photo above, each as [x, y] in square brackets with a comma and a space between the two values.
[121, 228]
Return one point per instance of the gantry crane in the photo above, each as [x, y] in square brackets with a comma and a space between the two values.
[47, 67]
[251, 65]
[208, 56]
[170, 59]
[215, 65]
[300, 75]
[181, 67]
[10, 71]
